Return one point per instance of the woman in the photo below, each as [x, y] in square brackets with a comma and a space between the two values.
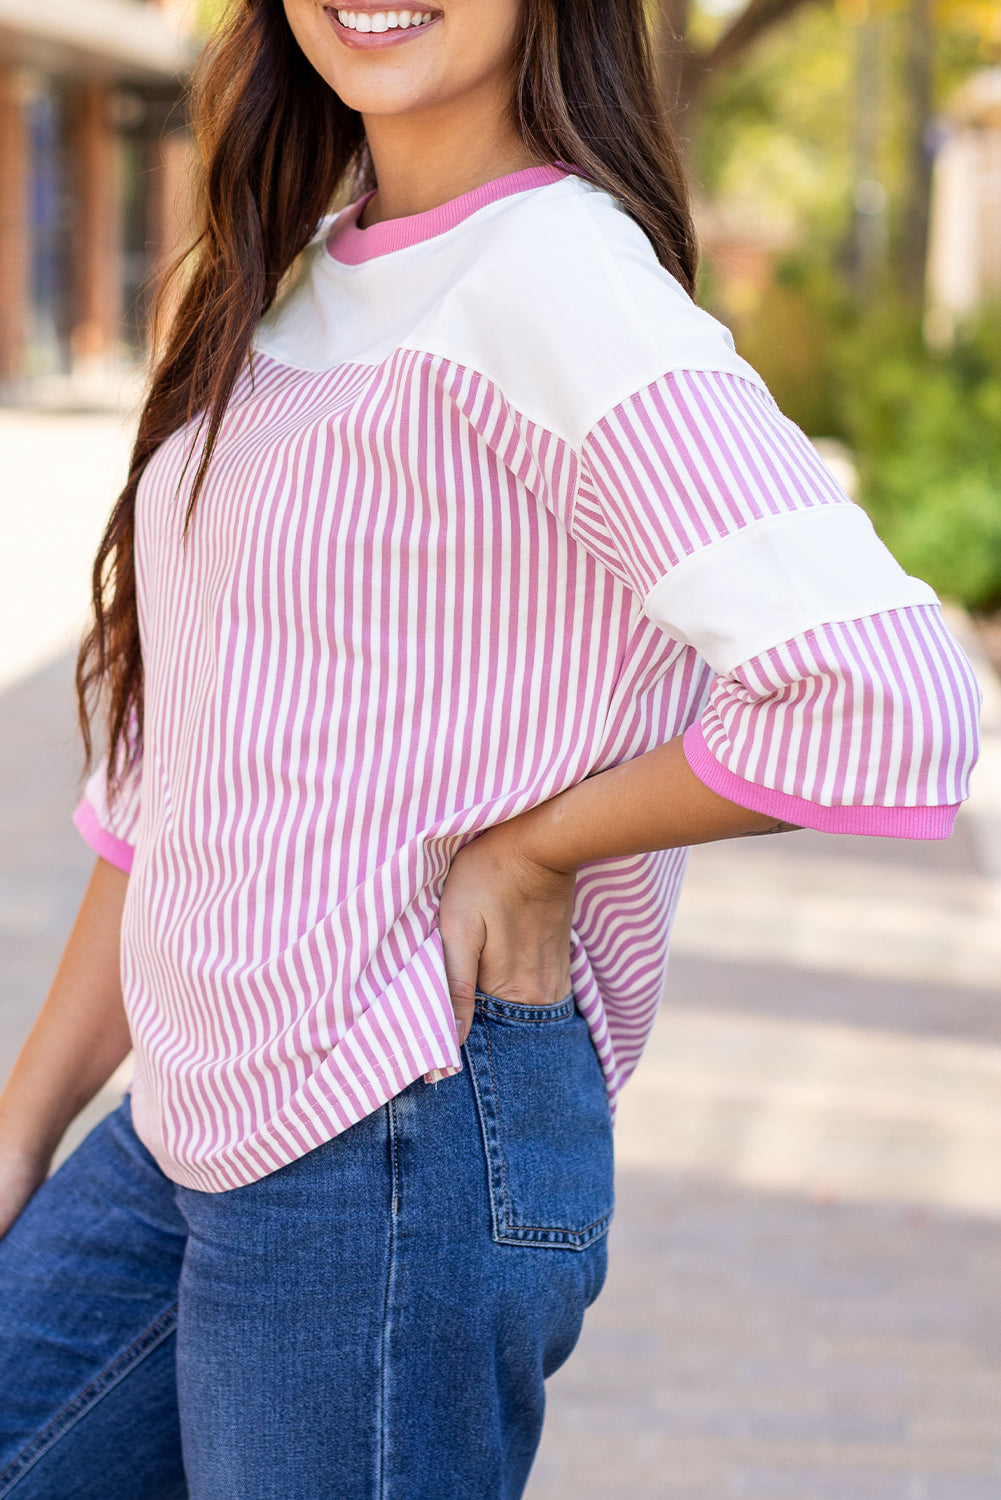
[465, 576]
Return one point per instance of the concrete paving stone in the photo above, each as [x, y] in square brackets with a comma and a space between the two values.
[784, 1104]
[44, 863]
[762, 1484]
[778, 1369]
[955, 1430]
[756, 1473]
[910, 1007]
[931, 857]
[852, 1426]
[951, 1488]
[848, 919]
[796, 1370]
[72, 466]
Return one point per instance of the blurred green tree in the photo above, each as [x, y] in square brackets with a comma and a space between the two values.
[821, 134]
[717, 72]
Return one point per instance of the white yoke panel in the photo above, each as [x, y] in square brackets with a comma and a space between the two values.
[555, 295]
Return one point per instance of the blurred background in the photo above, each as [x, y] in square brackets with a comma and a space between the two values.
[805, 1292]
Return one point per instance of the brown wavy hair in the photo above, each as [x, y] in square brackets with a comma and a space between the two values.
[278, 149]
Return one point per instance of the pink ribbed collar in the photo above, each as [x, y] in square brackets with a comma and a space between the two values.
[351, 245]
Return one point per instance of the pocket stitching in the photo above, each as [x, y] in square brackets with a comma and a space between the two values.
[500, 1148]
[487, 1131]
[534, 1015]
[509, 1232]
[509, 1221]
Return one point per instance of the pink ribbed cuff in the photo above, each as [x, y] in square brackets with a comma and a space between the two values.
[877, 822]
[116, 851]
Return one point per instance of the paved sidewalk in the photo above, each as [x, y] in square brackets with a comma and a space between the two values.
[804, 1300]
[61, 473]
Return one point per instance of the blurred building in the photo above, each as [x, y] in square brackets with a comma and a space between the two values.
[964, 261]
[93, 153]
[740, 246]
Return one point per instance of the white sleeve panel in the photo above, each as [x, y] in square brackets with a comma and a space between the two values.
[778, 577]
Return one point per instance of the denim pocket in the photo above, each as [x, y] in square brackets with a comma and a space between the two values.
[546, 1125]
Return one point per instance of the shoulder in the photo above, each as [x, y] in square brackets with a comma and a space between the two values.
[562, 303]
[555, 296]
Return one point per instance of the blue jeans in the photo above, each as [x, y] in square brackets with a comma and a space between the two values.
[372, 1322]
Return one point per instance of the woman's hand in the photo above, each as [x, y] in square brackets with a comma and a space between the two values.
[505, 923]
[507, 900]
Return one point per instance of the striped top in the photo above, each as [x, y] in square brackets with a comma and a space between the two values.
[494, 507]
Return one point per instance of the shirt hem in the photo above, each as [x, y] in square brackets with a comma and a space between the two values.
[278, 1144]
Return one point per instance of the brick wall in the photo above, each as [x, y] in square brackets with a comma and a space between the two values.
[97, 255]
[14, 265]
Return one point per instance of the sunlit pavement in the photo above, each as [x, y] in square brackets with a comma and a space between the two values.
[60, 473]
[804, 1298]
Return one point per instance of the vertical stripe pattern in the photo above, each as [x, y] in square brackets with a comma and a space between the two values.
[872, 712]
[878, 711]
[404, 613]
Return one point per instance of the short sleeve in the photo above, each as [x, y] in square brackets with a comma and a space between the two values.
[841, 701]
[109, 823]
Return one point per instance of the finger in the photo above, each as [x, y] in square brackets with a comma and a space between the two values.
[463, 993]
[462, 963]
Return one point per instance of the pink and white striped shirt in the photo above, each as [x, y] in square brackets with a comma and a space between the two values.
[494, 507]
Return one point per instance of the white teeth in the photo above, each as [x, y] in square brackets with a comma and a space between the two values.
[382, 20]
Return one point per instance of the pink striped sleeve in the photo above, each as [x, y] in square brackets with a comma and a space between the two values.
[686, 462]
[865, 726]
[108, 824]
[841, 700]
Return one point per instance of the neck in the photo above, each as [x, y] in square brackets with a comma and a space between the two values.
[425, 159]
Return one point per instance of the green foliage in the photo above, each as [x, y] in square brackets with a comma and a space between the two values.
[211, 14]
[926, 432]
[775, 134]
[924, 427]
[778, 147]
[796, 340]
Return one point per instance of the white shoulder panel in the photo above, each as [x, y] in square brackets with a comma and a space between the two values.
[555, 295]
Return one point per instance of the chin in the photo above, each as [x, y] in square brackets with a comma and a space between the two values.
[374, 97]
[370, 82]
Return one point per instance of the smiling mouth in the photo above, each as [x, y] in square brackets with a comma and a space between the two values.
[380, 21]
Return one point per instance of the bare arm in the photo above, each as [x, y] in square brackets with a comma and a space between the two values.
[507, 902]
[653, 802]
[80, 1037]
